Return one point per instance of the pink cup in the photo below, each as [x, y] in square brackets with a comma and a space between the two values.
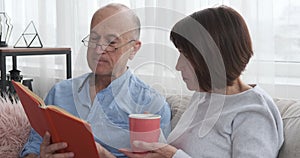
[144, 127]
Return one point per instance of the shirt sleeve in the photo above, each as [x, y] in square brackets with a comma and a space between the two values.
[255, 135]
[150, 100]
[181, 154]
[32, 145]
[49, 100]
[165, 125]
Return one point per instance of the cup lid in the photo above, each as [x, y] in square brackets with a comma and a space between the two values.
[144, 116]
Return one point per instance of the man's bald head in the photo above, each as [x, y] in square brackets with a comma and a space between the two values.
[118, 13]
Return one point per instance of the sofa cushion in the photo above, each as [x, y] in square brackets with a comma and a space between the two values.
[14, 128]
[178, 104]
[290, 113]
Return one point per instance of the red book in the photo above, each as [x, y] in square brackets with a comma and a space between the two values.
[63, 126]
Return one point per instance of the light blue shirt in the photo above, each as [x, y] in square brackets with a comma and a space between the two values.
[108, 114]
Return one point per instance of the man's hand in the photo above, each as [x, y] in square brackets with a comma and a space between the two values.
[155, 150]
[48, 150]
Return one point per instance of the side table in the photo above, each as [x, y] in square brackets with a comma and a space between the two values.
[14, 52]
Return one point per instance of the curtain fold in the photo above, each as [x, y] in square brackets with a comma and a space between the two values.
[273, 24]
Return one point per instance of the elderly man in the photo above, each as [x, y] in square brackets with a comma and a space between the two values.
[106, 96]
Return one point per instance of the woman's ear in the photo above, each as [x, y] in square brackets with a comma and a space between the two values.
[136, 48]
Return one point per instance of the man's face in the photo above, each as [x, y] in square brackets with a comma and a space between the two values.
[111, 31]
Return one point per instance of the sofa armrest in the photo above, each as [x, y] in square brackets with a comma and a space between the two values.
[178, 104]
[290, 113]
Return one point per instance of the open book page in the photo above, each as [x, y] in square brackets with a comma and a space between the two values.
[64, 112]
[27, 90]
[41, 103]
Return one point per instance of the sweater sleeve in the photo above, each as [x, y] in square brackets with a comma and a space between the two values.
[181, 154]
[255, 134]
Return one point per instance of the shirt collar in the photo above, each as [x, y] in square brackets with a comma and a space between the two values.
[121, 79]
[116, 82]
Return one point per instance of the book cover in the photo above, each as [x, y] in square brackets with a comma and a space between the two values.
[63, 126]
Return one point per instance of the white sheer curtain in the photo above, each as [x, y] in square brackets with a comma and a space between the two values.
[273, 24]
[59, 24]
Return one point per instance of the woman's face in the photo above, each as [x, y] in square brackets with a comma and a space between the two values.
[187, 72]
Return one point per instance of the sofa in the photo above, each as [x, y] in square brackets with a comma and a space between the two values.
[14, 126]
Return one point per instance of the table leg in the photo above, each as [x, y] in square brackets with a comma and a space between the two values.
[69, 65]
[14, 62]
[3, 73]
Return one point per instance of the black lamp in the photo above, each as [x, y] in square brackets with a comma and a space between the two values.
[5, 29]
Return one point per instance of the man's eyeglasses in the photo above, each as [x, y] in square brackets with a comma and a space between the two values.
[104, 47]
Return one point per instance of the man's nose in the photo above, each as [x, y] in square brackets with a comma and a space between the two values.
[100, 49]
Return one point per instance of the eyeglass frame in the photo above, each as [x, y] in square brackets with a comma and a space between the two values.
[87, 42]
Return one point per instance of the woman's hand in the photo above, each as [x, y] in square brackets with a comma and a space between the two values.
[155, 150]
[48, 150]
[103, 152]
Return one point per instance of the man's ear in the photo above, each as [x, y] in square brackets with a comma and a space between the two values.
[136, 47]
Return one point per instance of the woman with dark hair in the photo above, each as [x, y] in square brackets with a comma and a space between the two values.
[226, 117]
